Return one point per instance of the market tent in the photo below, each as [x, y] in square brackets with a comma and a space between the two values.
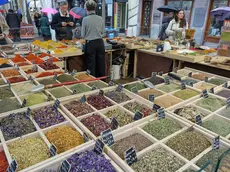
[2, 2]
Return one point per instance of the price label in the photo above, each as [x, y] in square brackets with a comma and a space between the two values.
[33, 62]
[30, 78]
[101, 93]
[94, 88]
[175, 69]
[154, 74]
[111, 83]
[160, 73]
[160, 48]
[130, 156]
[119, 88]
[65, 166]
[206, 79]
[13, 166]
[86, 138]
[56, 104]
[134, 90]
[88, 72]
[161, 113]
[190, 84]
[167, 82]
[74, 92]
[190, 74]
[66, 71]
[216, 143]
[51, 59]
[183, 86]
[151, 97]
[138, 115]
[48, 52]
[156, 107]
[99, 147]
[225, 85]
[53, 150]
[205, 93]
[107, 137]
[228, 102]
[55, 77]
[114, 123]
[49, 97]
[212, 90]
[198, 120]
[24, 103]
[74, 72]
[83, 99]
[17, 67]
[28, 112]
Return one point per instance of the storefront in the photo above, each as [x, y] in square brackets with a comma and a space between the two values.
[121, 15]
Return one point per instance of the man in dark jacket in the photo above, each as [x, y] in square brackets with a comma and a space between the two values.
[14, 23]
[63, 23]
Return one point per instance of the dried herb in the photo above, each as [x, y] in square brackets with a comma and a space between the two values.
[211, 103]
[118, 97]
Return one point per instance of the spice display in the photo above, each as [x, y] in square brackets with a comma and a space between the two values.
[34, 99]
[169, 88]
[188, 81]
[98, 101]
[122, 117]
[189, 144]
[90, 161]
[8, 104]
[16, 125]
[18, 58]
[167, 101]
[135, 140]
[204, 86]
[29, 71]
[38, 61]
[22, 89]
[216, 81]
[44, 74]
[117, 96]
[77, 108]
[2, 61]
[186, 94]
[97, 84]
[224, 93]
[5, 92]
[158, 160]
[184, 72]
[48, 66]
[156, 80]
[23, 64]
[189, 113]
[47, 116]
[83, 76]
[139, 86]
[64, 138]
[79, 88]
[10, 72]
[211, 103]
[28, 152]
[48, 81]
[225, 112]
[161, 128]
[65, 78]
[3, 162]
[2, 82]
[190, 170]
[31, 57]
[217, 125]
[16, 79]
[96, 124]
[200, 76]
[134, 107]
[145, 94]
[60, 92]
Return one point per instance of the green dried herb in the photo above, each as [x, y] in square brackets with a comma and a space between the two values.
[97, 84]
[139, 86]
[169, 88]
[186, 94]
[60, 92]
[211, 103]
[80, 88]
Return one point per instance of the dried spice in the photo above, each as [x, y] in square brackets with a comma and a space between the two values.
[2, 61]
[3, 162]
[83, 76]
[44, 74]
[65, 78]
[189, 113]
[217, 125]
[216, 81]
[158, 160]
[64, 138]
[16, 79]
[78, 109]
[60, 92]
[22, 89]
[200, 76]
[225, 112]
[98, 101]
[79, 88]
[9, 105]
[211, 103]
[2, 82]
[167, 101]
[5, 65]
[135, 140]
[121, 116]
[134, 107]
[34, 99]
[23, 64]
[204, 86]
[16, 125]
[5, 92]
[10, 72]
[90, 161]
[156, 80]
[18, 58]
[31, 57]
[29, 71]
[186, 94]
[188, 81]
[96, 124]
[47, 116]
[97, 84]
[161, 128]
[145, 94]
[138, 85]
[38, 61]
[189, 144]
[48, 81]
[117, 96]
[184, 72]
[48, 66]
[169, 88]
[28, 152]
[224, 93]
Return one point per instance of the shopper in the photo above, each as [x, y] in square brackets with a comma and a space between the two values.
[165, 22]
[45, 27]
[4, 30]
[14, 23]
[63, 23]
[178, 24]
[37, 18]
[93, 31]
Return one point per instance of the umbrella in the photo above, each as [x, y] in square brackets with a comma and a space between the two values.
[78, 12]
[221, 12]
[166, 9]
[49, 10]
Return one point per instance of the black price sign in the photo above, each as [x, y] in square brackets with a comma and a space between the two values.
[101, 93]
[30, 78]
[138, 115]
[55, 77]
[24, 103]
[49, 97]
[190, 74]
[34, 68]
[131, 156]
[99, 147]
[74, 92]
[13, 166]
[175, 69]
[88, 72]
[154, 74]
[190, 84]
[9, 84]
[156, 107]
[225, 85]
[114, 123]
[86, 138]
[94, 87]
[56, 104]
[198, 120]
[216, 143]
[161, 113]
[107, 137]
[212, 90]
[111, 83]
[183, 86]
[119, 88]
[83, 99]
[66, 71]
[28, 112]
[167, 82]
[65, 166]
[134, 90]
[206, 79]
[160, 73]
[53, 150]
[151, 97]
[74, 72]
[205, 93]
[228, 102]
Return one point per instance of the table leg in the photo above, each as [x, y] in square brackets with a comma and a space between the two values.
[174, 64]
[180, 64]
[135, 64]
[65, 63]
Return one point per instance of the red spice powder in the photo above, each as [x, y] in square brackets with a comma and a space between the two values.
[44, 74]
[18, 58]
[3, 162]
[31, 57]
[16, 79]
[38, 61]
[44, 55]
[23, 64]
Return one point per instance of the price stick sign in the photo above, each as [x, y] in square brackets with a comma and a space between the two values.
[86, 138]
[13, 166]
[205, 93]
[111, 83]
[130, 156]
[151, 97]
[49, 97]
[9, 84]
[119, 88]
[94, 88]
[30, 78]
[160, 73]
[198, 120]
[28, 112]
[183, 86]
[53, 150]
[225, 85]
[156, 107]
[65, 166]
[228, 102]
[74, 92]
[56, 104]
[206, 79]
[88, 72]
[34, 68]
[134, 90]
[99, 147]
[24, 103]
[138, 115]
[190, 84]
[216, 143]
[114, 123]
[107, 137]
[190, 74]
[55, 77]
[167, 82]
[101, 93]
[161, 113]
[83, 99]
[74, 72]
[175, 69]
[66, 71]
[154, 74]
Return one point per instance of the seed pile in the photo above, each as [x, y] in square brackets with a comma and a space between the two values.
[98, 101]
[211, 103]
[118, 97]
[134, 107]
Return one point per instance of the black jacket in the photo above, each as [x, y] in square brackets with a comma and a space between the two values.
[13, 20]
[62, 32]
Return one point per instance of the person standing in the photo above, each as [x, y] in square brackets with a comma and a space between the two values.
[14, 23]
[45, 27]
[63, 23]
[92, 31]
[4, 30]
[37, 18]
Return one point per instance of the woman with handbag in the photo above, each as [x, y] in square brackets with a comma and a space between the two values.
[4, 31]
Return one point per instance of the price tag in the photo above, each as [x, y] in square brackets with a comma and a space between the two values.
[138, 115]
[24, 103]
[119, 88]
[111, 83]
[83, 99]
[55, 77]
[167, 82]
[134, 90]
[51, 59]
[101, 93]
[49, 97]
[206, 79]
[33, 62]
[190, 74]
[94, 88]
[156, 107]
[114, 123]
[74, 72]
[183, 86]
[56, 104]
[160, 73]
[151, 97]
[74, 92]
[161, 113]
[175, 69]
[107, 137]
[154, 74]
[205, 93]
[53, 150]
[228, 102]
[130, 156]
[34, 68]
[17, 67]
[88, 72]
[9, 84]
[216, 143]
[30, 78]
[99, 147]
[212, 90]
[28, 112]
[65, 166]
[190, 84]
[225, 85]
[198, 120]
[13, 166]
[86, 138]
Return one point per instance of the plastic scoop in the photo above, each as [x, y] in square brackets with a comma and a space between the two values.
[37, 88]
